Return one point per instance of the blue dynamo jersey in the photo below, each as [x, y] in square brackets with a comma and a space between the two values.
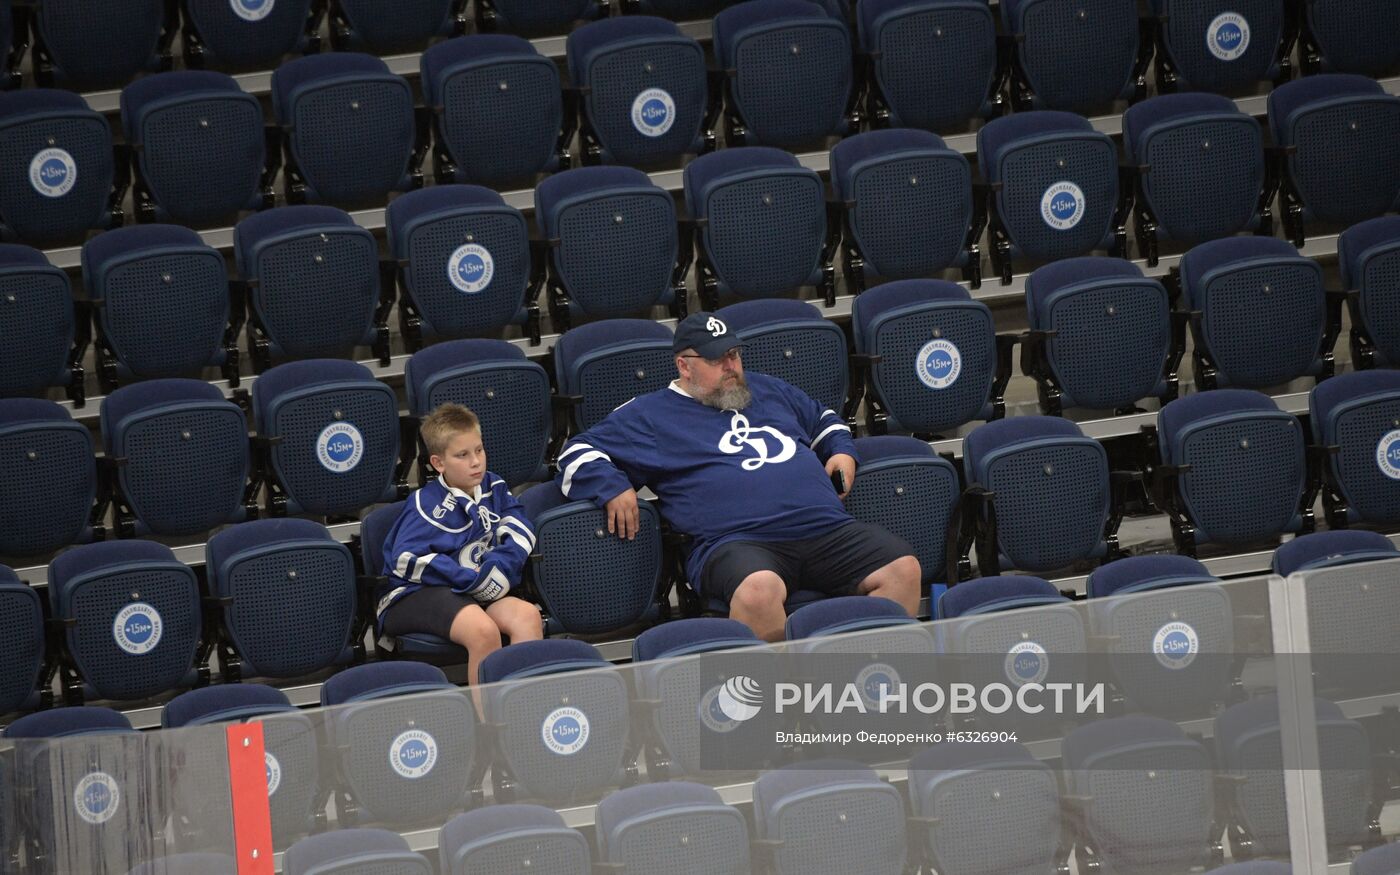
[757, 474]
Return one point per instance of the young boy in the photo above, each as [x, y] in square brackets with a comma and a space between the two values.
[458, 548]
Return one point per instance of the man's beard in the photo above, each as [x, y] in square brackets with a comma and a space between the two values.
[729, 396]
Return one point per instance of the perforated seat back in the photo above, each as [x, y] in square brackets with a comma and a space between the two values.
[616, 268]
[247, 34]
[23, 656]
[511, 399]
[37, 323]
[165, 310]
[912, 498]
[852, 828]
[937, 89]
[609, 380]
[353, 139]
[395, 28]
[1077, 56]
[923, 387]
[1344, 169]
[801, 57]
[202, 155]
[1263, 323]
[1246, 476]
[1380, 301]
[1222, 47]
[646, 98]
[457, 305]
[810, 356]
[94, 47]
[540, 16]
[47, 485]
[317, 291]
[1058, 195]
[911, 213]
[1051, 502]
[67, 151]
[1352, 35]
[1363, 435]
[977, 809]
[1111, 342]
[765, 232]
[1205, 177]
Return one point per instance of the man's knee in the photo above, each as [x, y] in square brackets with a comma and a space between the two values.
[759, 592]
[900, 580]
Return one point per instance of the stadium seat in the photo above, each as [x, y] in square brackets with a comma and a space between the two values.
[1132, 772]
[247, 34]
[561, 726]
[1100, 336]
[613, 244]
[1334, 131]
[1254, 867]
[1200, 170]
[904, 487]
[605, 364]
[1368, 254]
[405, 740]
[352, 851]
[828, 816]
[311, 280]
[162, 305]
[961, 794]
[1330, 549]
[419, 646]
[87, 48]
[48, 478]
[1214, 45]
[907, 210]
[384, 28]
[589, 584]
[199, 148]
[533, 17]
[641, 91]
[933, 63]
[760, 221]
[1350, 37]
[58, 168]
[22, 661]
[1074, 56]
[792, 341]
[1384, 860]
[348, 129]
[512, 838]
[464, 264]
[1050, 503]
[1259, 313]
[1054, 188]
[156, 435]
[131, 616]
[508, 393]
[188, 864]
[37, 324]
[771, 50]
[951, 341]
[469, 83]
[1232, 469]
[678, 10]
[674, 827]
[1353, 422]
[328, 438]
[844, 614]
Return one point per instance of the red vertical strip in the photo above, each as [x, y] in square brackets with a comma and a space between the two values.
[252, 816]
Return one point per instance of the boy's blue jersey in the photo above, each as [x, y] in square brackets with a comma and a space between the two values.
[475, 543]
[720, 475]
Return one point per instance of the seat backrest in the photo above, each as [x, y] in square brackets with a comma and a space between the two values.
[1220, 48]
[1076, 57]
[649, 828]
[57, 167]
[1351, 38]
[383, 28]
[38, 323]
[1369, 257]
[354, 850]
[792, 341]
[23, 657]
[91, 49]
[1356, 412]
[48, 474]
[499, 838]
[532, 17]
[247, 34]
[904, 487]
[610, 362]
[791, 807]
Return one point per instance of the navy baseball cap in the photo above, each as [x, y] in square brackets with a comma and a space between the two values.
[705, 333]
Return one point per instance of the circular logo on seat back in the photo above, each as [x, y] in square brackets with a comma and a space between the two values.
[939, 364]
[470, 268]
[413, 754]
[274, 772]
[53, 172]
[1027, 663]
[565, 731]
[340, 447]
[252, 10]
[1228, 36]
[1176, 645]
[1062, 205]
[873, 681]
[653, 112]
[1388, 454]
[96, 798]
[137, 628]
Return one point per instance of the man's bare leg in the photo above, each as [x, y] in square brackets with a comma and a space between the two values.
[899, 581]
[758, 604]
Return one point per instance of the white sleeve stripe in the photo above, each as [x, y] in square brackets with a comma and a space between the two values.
[573, 448]
[420, 566]
[526, 545]
[590, 456]
[516, 527]
[840, 426]
[828, 412]
[401, 567]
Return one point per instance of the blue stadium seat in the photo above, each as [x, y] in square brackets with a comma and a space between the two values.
[348, 127]
[22, 661]
[131, 613]
[614, 244]
[1330, 549]
[311, 279]
[962, 795]
[1368, 254]
[691, 636]
[906, 200]
[156, 435]
[771, 50]
[405, 739]
[605, 364]
[1338, 168]
[1133, 771]
[87, 48]
[1074, 56]
[1254, 867]
[1200, 170]
[533, 17]
[1259, 313]
[679, 10]
[933, 62]
[507, 392]
[188, 864]
[199, 146]
[990, 595]
[418, 645]
[162, 304]
[1350, 37]
[951, 341]
[57, 169]
[561, 725]
[464, 264]
[792, 341]
[1050, 503]
[1352, 418]
[587, 584]
[512, 838]
[246, 35]
[674, 827]
[1212, 45]
[904, 487]
[38, 326]
[1101, 335]
[48, 478]
[1384, 860]
[328, 438]
[353, 851]
[380, 27]
[1232, 469]
[844, 614]
[827, 816]
[642, 91]
[1054, 188]
[470, 83]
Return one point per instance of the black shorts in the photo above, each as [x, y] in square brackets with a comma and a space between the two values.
[430, 609]
[834, 563]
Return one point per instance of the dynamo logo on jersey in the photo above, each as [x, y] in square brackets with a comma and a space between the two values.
[1062, 205]
[653, 112]
[137, 628]
[939, 364]
[1388, 454]
[470, 268]
[413, 754]
[565, 731]
[1176, 645]
[274, 772]
[742, 436]
[252, 10]
[1027, 663]
[339, 447]
[96, 798]
[1227, 37]
[53, 172]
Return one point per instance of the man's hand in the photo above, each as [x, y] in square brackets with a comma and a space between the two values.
[846, 465]
[623, 519]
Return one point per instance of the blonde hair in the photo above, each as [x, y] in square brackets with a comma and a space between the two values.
[445, 423]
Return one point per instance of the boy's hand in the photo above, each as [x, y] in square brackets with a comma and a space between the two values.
[623, 518]
[491, 582]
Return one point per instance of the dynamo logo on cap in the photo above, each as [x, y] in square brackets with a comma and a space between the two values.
[939, 364]
[137, 628]
[252, 10]
[1227, 37]
[53, 172]
[653, 112]
[1388, 454]
[96, 798]
[1062, 205]
[565, 731]
[339, 447]
[470, 268]
[1176, 645]
[413, 754]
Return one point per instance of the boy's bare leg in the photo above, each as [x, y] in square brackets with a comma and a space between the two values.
[475, 631]
[517, 619]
